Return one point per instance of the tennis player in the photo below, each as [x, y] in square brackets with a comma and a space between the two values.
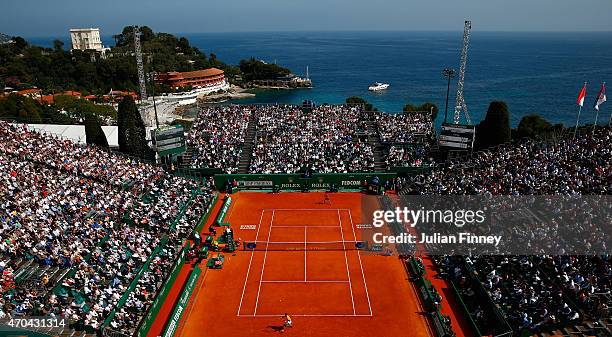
[327, 200]
[288, 322]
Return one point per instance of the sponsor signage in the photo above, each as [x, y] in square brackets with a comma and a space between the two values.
[255, 183]
[458, 128]
[170, 147]
[455, 145]
[171, 132]
[351, 183]
[169, 141]
[317, 185]
[455, 136]
[182, 303]
[454, 139]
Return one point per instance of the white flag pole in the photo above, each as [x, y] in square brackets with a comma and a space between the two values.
[579, 111]
[596, 117]
[597, 105]
[577, 121]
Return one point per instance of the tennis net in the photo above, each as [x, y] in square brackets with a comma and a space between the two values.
[298, 246]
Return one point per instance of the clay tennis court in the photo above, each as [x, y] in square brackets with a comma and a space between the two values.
[305, 257]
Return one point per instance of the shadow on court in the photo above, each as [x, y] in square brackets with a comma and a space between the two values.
[276, 328]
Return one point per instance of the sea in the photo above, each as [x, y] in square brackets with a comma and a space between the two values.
[533, 72]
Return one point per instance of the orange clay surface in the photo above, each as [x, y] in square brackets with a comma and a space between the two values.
[327, 292]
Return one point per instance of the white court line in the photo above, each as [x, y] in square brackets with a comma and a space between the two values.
[308, 209]
[347, 266]
[360, 264]
[250, 261]
[264, 265]
[305, 226]
[301, 242]
[305, 251]
[310, 281]
[306, 315]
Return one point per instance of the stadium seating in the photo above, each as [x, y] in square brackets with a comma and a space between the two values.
[288, 139]
[570, 294]
[87, 235]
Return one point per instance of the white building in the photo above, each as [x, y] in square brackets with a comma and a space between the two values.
[86, 39]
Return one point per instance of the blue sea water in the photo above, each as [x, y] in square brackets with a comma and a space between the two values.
[533, 72]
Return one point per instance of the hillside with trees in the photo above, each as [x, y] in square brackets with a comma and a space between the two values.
[27, 110]
[56, 69]
[23, 65]
[429, 107]
[256, 70]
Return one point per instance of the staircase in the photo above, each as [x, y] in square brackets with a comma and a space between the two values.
[374, 141]
[187, 157]
[247, 148]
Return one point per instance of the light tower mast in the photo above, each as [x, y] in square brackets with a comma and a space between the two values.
[460, 103]
[139, 64]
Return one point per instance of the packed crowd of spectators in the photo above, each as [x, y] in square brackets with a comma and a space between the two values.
[289, 138]
[569, 166]
[408, 137]
[403, 128]
[217, 137]
[408, 156]
[151, 281]
[536, 292]
[147, 286]
[94, 213]
[521, 290]
[587, 280]
[85, 161]
[323, 140]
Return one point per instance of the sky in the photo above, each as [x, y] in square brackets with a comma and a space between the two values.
[39, 18]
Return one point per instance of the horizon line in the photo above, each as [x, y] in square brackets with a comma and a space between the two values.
[343, 31]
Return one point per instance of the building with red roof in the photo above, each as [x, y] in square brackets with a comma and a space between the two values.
[32, 93]
[197, 79]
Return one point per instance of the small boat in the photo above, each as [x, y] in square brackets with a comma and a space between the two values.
[378, 86]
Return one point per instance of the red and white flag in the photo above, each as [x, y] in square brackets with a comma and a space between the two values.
[601, 98]
[582, 96]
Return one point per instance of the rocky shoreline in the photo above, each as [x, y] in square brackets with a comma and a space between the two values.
[234, 92]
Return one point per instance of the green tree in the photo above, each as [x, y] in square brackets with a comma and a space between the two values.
[183, 44]
[411, 108]
[126, 37]
[27, 110]
[21, 108]
[93, 131]
[58, 46]
[56, 70]
[423, 107]
[495, 128]
[355, 100]
[79, 108]
[533, 126]
[253, 70]
[131, 129]
[20, 43]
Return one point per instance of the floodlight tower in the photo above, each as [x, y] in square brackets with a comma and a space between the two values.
[139, 64]
[460, 102]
